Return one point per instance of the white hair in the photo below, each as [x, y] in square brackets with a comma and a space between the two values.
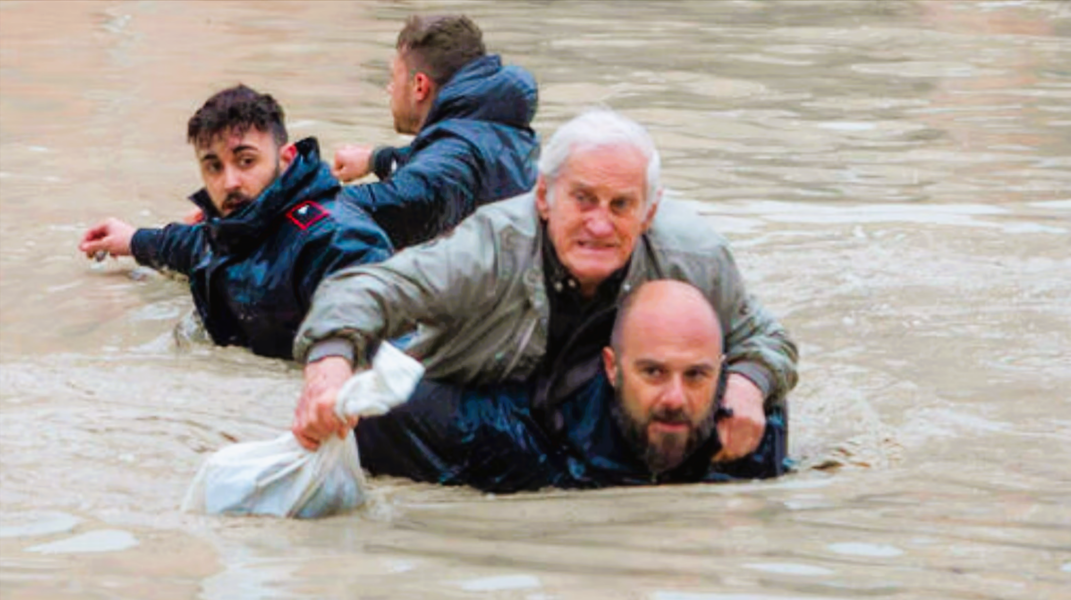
[599, 128]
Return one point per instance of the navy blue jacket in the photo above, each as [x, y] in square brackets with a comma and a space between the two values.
[491, 439]
[253, 273]
[476, 146]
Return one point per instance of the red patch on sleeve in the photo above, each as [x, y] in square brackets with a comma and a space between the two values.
[305, 214]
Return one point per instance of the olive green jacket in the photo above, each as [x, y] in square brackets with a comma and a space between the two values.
[479, 299]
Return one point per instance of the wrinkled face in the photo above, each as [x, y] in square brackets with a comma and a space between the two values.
[595, 211]
[666, 383]
[402, 102]
[236, 168]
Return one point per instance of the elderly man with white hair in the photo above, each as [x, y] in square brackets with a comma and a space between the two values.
[501, 297]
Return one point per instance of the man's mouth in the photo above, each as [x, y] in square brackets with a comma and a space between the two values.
[595, 246]
[668, 427]
[670, 419]
[234, 202]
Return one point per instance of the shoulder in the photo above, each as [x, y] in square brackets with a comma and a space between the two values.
[517, 214]
[446, 142]
[496, 234]
[681, 226]
[682, 244]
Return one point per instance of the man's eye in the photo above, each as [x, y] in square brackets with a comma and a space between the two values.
[696, 375]
[652, 371]
[246, 161]
[212, 167]
[583, 198]
[620, 205]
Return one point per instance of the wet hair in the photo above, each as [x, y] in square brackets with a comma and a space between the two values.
[439, 46]
[599, 128]
[236, 110]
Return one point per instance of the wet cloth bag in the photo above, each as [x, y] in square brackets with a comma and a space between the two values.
[281, 478]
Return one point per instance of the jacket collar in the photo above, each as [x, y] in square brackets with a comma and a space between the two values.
[640, 266]
[307, 178]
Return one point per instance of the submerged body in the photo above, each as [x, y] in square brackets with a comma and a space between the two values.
[492, 439]
[253, 272]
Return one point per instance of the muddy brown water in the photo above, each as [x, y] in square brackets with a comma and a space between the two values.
[896, 180]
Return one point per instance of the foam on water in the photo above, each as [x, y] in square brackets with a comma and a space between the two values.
[790, 569]
[102, 540]
[34, 523]
[500, 583]
[865, 549]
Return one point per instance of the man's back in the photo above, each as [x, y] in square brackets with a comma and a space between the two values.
[477, 146]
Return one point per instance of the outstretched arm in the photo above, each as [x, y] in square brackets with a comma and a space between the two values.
[111, 236]
[176, 247]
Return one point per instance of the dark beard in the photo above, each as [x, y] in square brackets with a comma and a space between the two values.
[235, 201]
[670, 455]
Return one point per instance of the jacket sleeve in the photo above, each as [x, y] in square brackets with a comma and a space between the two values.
[757, 346]
[334, 248]
[385, 159]
[176, 247]
[427, 196]
[432, 284]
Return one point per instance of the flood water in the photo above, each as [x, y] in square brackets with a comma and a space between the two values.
[895, 178]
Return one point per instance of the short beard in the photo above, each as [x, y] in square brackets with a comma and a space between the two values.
[674, 452]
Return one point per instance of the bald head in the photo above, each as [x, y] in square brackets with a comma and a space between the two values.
[664, 308]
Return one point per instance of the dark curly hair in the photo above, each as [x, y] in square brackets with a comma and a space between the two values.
[236, 110]
[440, 45]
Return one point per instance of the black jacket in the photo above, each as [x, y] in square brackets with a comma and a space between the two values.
[558, 430]
[253, 273]
[476, 146]
[491, 439]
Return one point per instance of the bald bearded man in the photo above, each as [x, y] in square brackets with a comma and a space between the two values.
[649, 415]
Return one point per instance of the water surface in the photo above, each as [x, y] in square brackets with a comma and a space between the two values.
[895, 178]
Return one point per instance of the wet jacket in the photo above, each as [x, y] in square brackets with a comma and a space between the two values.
[476, 146]
[480, 297]
[490, 438]
[254, 272]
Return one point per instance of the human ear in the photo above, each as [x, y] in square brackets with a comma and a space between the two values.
[542, 206]
[286, 155]
[609, 364]
[652, 209]
[422, 86]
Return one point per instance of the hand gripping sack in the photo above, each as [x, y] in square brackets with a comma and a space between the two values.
[281, 478]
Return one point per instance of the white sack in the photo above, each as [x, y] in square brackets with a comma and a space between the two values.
[281, 478]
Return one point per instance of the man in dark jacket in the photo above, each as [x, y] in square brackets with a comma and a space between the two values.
[472, 120]
[273, 227]
[651, 414]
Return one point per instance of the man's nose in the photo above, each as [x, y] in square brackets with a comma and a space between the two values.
[232, 178]
[673, 396]
[599, 223]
